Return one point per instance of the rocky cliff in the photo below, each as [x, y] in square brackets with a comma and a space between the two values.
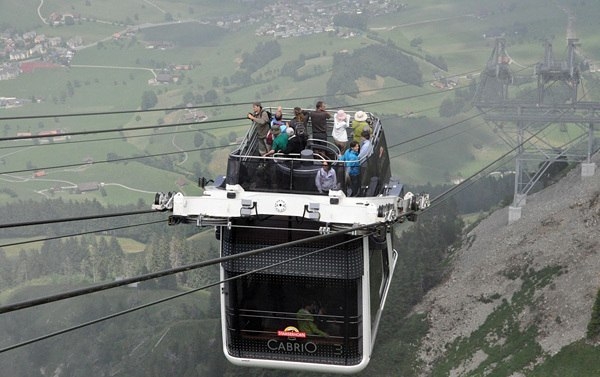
[559, 229]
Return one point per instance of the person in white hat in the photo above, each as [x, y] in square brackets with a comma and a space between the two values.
[339, 133]
[359, 124]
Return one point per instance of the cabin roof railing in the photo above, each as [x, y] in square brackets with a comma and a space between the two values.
[248, 147]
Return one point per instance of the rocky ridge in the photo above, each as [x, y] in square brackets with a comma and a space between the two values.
[559, 226]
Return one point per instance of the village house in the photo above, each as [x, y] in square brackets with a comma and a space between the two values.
[7, 102]
[52, 135]
[86, 187]
[23, 134]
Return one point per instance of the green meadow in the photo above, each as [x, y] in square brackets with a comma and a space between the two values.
[23, 14]
[112, 75]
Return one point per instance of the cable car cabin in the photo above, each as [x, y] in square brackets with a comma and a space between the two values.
[314, 306]
[305, 275]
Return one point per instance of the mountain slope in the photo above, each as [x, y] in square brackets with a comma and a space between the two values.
[542, 272]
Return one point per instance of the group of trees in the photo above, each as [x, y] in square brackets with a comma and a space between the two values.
[88, 257]
[462, 101]
[483, 195]
[593, 329]
[372, 61]
[149, 99]
[384, 59]
[352, 21]
[263, 53]
[94, 257]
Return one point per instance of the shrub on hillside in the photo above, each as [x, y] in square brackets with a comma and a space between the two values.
[593, 330]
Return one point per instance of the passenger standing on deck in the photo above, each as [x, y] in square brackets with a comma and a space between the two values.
[339, 133]
[298, 123]
[359, 124]
[269, 139]
[279, 142]
[261, 120]
[365, 146]
[278, 119]
[295, 144]
[325, 179]
[318, 120]
[350, 157]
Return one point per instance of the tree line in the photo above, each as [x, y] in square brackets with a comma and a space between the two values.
[98, 256]
[371, 61]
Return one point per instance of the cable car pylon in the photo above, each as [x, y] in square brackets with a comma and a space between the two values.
[555, 109]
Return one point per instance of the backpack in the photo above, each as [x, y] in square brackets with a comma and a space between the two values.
[299, 131]
[269, 115]
[299, 127]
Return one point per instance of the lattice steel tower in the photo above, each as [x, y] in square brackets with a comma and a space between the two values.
[549, 127]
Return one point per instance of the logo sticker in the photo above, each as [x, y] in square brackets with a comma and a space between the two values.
[291, 332]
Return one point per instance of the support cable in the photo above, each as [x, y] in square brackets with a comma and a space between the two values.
[443, 196]
[114, 160]
[101, 287]
[80, 233]
[79, 218]
[212, 106]
[129, 129]
[139, 307]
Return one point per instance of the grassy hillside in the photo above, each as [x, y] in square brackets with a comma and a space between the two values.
[113, 76]
[23, 14]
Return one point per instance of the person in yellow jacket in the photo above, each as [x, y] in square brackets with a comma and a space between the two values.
[306, 320]
[359, 124]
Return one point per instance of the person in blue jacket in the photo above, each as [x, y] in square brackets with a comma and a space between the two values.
[350, 157]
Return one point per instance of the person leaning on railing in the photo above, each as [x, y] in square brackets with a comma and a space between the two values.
[280, 141]
[318, 120]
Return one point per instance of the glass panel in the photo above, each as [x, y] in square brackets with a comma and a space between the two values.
[294, 318]
[379, 274]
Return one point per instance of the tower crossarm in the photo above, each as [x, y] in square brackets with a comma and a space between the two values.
[581, 112]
